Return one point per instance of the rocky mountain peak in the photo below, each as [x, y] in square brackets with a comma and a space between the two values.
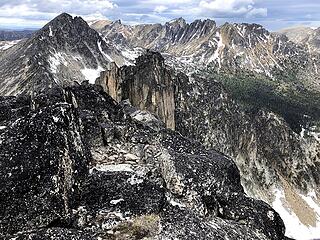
[246, 32]
[113, 24]
[64, 51]
[117, 22]
[178, 21]
[296, 34]
[99, 24]
[151, 59]
[209, 23]
[66, 28]
[63, 17]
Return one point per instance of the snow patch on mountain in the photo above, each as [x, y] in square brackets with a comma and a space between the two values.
[112, 168]
[55, 60]
[103, 53]
[294, 227]
[92, 74]
[4, 45]
[132, 54]
[220, 46]
[50, 32]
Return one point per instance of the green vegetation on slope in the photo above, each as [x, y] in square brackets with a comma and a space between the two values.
[284, 96]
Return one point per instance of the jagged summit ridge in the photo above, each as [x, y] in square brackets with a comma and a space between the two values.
[233, 46]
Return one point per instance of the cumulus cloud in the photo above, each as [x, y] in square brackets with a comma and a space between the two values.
[232, 8]
[160, 9]
[36, 11]
[258, 12]
[270, 13]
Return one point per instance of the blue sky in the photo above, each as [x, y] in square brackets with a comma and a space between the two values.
[273, 14]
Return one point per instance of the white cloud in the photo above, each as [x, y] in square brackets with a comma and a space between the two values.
[138, 18]
[93, 16]
[166, 2]
[37, 12]
[45, 7]
[231, 8]
[160, 9]
[258, 12]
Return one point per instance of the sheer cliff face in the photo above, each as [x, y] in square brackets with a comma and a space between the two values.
[110, 81]
[148, 85]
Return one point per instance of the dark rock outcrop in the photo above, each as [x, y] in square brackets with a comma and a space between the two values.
[128, 180]
[147, 85]
[43, 162]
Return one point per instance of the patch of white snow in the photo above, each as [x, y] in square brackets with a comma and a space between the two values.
[103, 53]
[294, 228]
[220, 46]
[115, 202]
[113, 168]
[91, 74]
[50, 32]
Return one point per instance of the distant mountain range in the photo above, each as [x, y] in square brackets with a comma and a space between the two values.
[10, 35]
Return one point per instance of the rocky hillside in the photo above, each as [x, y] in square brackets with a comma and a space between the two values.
[276, 164]
[247, 47]
[305, 36]
[4, 45]
[62, 52]
[77, 165]
[296, 34]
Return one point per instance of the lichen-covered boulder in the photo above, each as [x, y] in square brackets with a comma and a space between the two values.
[42, 164]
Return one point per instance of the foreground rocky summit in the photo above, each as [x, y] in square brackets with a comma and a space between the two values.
[77, 165]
